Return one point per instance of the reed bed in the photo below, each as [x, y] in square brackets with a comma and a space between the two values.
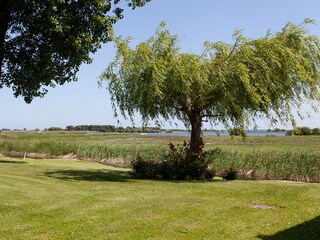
[83, 150]
[284, 165]
[287, 158]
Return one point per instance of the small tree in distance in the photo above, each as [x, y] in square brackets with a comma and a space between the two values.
[229, 84]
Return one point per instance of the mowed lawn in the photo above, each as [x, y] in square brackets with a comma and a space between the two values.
[68, 199]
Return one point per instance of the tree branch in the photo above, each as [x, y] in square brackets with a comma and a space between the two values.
[235, 45]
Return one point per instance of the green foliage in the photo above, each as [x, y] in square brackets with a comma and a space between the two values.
[55, 129]
[232, 84]
[112, 128]
[181, 163]
[185, 154]
[316, 131]
[303, 131]
[289, 133]
[43, 43]
[236, 132]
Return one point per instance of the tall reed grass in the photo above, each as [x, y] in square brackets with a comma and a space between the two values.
[85, 150]
[285, 165]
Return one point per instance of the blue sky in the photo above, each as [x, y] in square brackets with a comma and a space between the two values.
[198, 21]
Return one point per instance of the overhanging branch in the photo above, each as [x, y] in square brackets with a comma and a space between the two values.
[235, 45]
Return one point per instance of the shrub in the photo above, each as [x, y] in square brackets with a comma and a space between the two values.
[229, 174]
[316, 131]
[305, 131]
[144, 169]
[180, 163]
[289, 133]
[236, 132]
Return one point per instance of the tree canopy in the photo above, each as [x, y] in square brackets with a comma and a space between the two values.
[227, 83]
[43, 42]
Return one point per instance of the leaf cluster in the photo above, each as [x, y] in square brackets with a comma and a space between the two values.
[44, 42]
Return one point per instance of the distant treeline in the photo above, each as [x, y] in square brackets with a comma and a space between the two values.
[105, 128]
[277, 130]
[303, 131]
[299, 131]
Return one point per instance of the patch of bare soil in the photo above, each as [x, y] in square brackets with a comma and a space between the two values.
[37, 155]
[260, 175]
[264, 206]
[115, 162]
[69, 156]
[27, 155]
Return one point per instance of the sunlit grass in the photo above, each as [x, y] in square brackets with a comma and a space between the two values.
[64, 199]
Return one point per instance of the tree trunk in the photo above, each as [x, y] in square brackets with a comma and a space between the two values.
[196, 124]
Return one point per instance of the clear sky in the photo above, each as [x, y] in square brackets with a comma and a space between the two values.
[196, 21]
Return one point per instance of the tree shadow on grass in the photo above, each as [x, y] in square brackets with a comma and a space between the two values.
[14, 162]
[309, 230]
[94, 175]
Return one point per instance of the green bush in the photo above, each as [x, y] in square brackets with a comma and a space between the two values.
[229, 174]
[303, 131]
[289, 133]
[316, 131]
[236, 132]
[180, 163]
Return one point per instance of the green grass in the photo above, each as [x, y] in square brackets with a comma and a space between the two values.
[64, 199]
[266, 143]
[26, 141]
[290, 158]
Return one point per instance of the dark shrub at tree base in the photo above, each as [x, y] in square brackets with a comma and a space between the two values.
[181, 163]
[230, 174]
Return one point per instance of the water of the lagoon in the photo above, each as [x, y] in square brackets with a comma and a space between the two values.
[220, 133]
[205, 133]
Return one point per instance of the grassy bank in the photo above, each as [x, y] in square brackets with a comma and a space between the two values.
[59, 199]
[289, 158]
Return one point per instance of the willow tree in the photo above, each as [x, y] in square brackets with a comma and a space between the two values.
[228, 83]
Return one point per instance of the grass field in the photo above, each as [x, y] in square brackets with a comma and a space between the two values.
[69, 199]
[27, 139]
[287, 158]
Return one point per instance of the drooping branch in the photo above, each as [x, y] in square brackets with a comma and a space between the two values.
[235, 45]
